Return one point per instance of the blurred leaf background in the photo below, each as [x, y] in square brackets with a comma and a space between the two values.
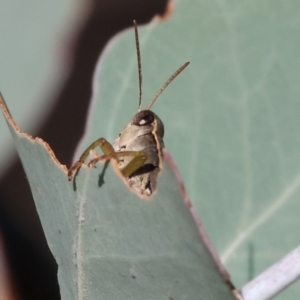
[231, 118]
[32, 36]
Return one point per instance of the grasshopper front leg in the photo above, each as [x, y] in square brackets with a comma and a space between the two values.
[102, 143]
[139, 158]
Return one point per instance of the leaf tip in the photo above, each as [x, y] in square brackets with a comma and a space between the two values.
[14, 126]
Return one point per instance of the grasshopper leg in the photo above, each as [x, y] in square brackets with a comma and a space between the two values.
[102, 143]
[139, 158]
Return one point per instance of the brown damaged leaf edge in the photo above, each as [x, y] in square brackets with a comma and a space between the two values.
[10, 120]
[200, 227]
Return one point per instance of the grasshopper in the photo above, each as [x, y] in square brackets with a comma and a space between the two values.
[138, 148]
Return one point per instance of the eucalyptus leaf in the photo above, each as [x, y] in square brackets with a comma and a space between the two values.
[231, 119]
[108, 242]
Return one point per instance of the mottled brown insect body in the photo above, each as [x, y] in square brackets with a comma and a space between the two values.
[144, 133]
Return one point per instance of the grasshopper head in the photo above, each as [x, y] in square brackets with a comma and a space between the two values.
[149, 120]
[139, 133]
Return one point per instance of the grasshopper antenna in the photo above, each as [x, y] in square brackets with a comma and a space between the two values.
[137, 44]
[167, 83]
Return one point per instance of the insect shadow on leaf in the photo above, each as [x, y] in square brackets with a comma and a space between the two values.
[74, 181]
[101, 175]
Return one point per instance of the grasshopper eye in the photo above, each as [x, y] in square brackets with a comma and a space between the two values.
[143, 118]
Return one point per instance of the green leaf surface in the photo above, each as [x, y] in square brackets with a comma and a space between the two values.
[111, 244]
[231, 119]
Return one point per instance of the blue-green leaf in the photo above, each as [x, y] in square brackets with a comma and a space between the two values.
[111, 244]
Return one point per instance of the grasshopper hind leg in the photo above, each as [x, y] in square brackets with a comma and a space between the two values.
[137, 161]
